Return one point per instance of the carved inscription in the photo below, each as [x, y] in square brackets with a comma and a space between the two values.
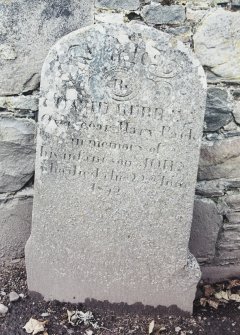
[97, 161]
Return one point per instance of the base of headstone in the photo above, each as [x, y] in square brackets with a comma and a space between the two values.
[180, 291]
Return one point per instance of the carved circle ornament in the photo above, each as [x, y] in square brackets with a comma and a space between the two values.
[121, 84]
[161, 65]
[164, 92]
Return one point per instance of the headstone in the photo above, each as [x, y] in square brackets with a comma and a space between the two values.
[121, 118]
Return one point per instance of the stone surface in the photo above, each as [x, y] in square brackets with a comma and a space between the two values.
[205, 228]
[216, 44]
[17, 153]
[27, 31]
[109, 18]
[121, 119]
[158, 14]
[210, 188]
[233, 201]
[234, 217]
[218, 272]
[197, 4]
[231, 128]
[29, 102]
[3, 309]
[218, 110]
[118, 4]
[15, 223]
[195, 15]
[13, 296]
[217, 187]
[228, 246]
[220, 159]
[236, 111]
[183, 33]
[236, 3]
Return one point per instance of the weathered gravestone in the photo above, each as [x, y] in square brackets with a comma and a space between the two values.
[120, 127]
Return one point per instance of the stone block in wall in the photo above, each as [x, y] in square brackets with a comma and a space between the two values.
[195, 15]
[22, 102]
[118, 4]
[236, 4]
[220, 159]
[158, 14]
[183, 33]
[204, 4]
[217, 188]
[116, 18]
[28, 30]
[218, 109]
[228, 246]
[211, 188]
[205, 228]
[233, 217]
[197, 4]
[216, 44]
[233, 201]
[17, 153]
[15, 223]
[22, 106]
[220, 272]
[236, 112]
[236, 108]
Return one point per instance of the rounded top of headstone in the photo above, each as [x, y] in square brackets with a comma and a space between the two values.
[124, 54]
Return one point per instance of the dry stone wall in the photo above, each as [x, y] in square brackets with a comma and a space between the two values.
[27, 31]
[211, 28]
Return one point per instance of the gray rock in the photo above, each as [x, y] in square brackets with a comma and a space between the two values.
[210, 188]
[158, 14]
[17, 152]
[218, 110]
[195, 15]
[183, 33]
[198, 4]
[236, 111]
[13, 296]
[205, 228]
[232, 184]
[233, 217]
[231, 128]
[216, 188]
[3, 309]
[220, 272]
[109, 18]
[11, 103]
[232, 133]
[220, 159]
[235, 3]
[233, 201]
[28, 30]
[15, 223]
[228, 246]
[217, 45]
[119, 136]
[44, 315]
[118, 4]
